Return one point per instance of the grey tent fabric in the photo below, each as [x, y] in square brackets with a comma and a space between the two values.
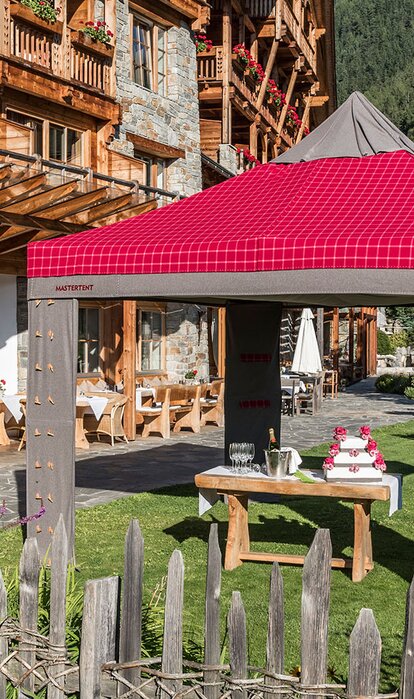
[354, 130]
[252, 398]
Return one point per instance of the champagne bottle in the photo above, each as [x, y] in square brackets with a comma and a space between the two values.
[273, 444]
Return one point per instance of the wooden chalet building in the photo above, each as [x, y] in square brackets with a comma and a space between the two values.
[94, 132]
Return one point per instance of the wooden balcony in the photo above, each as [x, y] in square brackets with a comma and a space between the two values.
[243, 90]
[294, 29]
[58, 53]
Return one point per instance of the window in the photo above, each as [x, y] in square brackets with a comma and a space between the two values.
[51, 141]
[149, 55]
[35, 124]
[88, 341]
[151, 338]
[154, 170]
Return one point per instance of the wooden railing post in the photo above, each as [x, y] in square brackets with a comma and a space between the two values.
[98, 633]
[364, 656]
[29, 598]
[172, 652]
[3, 640]
[316, 584]
[275, 652]
[236, 622]
[57, 634]
[131, 620]
[407, 664]
[212, 618]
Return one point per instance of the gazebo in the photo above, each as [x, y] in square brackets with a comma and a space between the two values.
[330, 222]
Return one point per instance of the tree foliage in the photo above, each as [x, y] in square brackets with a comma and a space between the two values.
[375, 55]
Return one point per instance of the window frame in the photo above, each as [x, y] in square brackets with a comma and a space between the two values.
[153, 33]
[99, 371]
[152, 172]
[46, 124]
[151, 308]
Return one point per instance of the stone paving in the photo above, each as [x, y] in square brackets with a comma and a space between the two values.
[105, 473]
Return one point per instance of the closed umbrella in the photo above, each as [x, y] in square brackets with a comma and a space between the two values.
[307, 358]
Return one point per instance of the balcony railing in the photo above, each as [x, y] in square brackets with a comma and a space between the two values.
[52, 48]
[294, 28]
[261, 9]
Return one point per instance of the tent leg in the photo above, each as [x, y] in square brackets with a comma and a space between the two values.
[50, 420]
[253, 394]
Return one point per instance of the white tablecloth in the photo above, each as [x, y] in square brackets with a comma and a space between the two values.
[143, 393]
[97, 404]
[208, 497]
[13, 406]
[287, 387]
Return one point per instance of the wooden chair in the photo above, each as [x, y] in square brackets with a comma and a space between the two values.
[188, 415]
[110, 422]
[330, 383]
[157, 418]
[212, 409]
[289, 400]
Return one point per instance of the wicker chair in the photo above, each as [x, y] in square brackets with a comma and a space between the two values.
[110, 422]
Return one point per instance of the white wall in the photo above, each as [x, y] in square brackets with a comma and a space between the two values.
[8, 332]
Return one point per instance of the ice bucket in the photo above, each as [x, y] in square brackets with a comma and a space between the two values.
[277, 463]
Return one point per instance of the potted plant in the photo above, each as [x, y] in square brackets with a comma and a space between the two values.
[190, 375]
[95, 36]
[40, 13]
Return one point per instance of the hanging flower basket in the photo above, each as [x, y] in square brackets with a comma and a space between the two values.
[81, 39]
[27, 15]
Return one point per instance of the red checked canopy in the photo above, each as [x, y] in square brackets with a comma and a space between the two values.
[338, 226]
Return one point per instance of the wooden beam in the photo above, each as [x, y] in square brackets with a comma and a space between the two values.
[129, 366]
[305, 118]
[253, 139]
[12, 232]
[289, 93]
[268, 71]
[142, 208]
[40, 200]
[146, 145]
[99, 211]
[5, 172]
[17, 190]
[227, 53]
[69, 206]
[21, 241]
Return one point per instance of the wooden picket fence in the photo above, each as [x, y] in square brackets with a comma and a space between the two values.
[110, 655]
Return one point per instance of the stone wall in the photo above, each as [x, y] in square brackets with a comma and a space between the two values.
[186, 340]
[171, 120]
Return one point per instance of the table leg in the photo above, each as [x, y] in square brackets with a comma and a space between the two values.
[362, 561]
[238, 532]
[4, 437]
[80, 440]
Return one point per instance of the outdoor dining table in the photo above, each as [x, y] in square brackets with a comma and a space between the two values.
[10, 408]
[237, 488]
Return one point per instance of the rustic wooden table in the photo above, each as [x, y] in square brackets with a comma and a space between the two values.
[238, 488]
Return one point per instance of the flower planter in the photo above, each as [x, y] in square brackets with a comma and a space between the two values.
[26, 15]
[86, 42]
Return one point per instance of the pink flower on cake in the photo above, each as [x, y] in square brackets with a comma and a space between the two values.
[379, 462]
[339, 433]
[334, 449]
[328, 464]
[372, 447]
[365, 431]
[354, 468]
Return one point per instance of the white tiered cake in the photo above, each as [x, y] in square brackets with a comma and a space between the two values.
[354, 459]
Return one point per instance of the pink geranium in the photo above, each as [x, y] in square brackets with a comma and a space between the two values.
[372, 447]
[328, 464]
[339, 433]
[365, 431]
[334, 449]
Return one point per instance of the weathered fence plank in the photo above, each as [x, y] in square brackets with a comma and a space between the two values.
[172, 652]
[316, 583]
[275, 650]
[236, 622]
[98, 633]
[29, 600]
[131, 619]
[212, 618]
[3, 641]
[57, 634]
[407, 665]
[364, 656]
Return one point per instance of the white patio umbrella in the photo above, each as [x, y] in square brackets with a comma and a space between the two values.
[307, 358]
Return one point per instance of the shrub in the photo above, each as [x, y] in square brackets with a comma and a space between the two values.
[384, 344]
[393, 383]
[399, 339]
[409, 392]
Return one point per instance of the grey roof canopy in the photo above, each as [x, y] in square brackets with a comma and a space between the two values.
[354, 130]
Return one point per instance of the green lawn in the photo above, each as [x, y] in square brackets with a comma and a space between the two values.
[169, 520]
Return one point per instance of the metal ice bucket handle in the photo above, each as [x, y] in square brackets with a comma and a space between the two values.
[277, 463]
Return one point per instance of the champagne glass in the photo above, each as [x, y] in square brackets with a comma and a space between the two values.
[250, 453]
[232, 455]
